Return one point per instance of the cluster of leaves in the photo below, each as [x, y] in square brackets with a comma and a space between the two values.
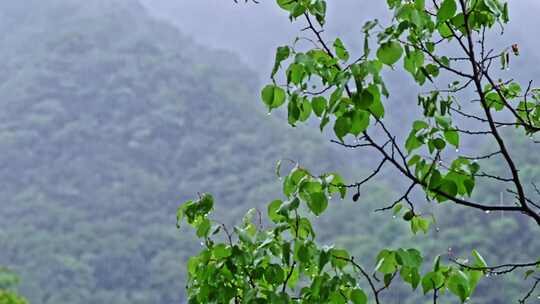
[353, 111]
[8, 281]
[323, 80]
[283, 263]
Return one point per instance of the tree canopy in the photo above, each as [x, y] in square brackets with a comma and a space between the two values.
[442, 44]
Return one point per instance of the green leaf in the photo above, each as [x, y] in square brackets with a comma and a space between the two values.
[419, 223]
[192, 264]
[439, 143]
[287, 5]
[358, 296]
[446, 11]
[336, 298]
[274, 274]
[341, 51]
[377, 109]
[389, 52]
[273, 207]
[342, 127]
[419, 125]
[364, 99]
[221, 251]
[302, 253]
[318, 203]
[282, 53]
[413, 60]
[393, 3]
[273, 96]
[444, 30]
[452, 137]
[296, 73]
[305, 229]
[336, 185]
[194, 211]
[431, 281]
[319, 105]
[411, 276]
[458, 284]
[479, 260]
[412, 142]
[449, 187]
[340, 258]
[386, 262]
[305, 109]
[203, 227]
[360, 122]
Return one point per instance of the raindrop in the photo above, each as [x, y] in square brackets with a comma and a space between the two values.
[394, 216]
[269, 113]
[457, 150]
[437, 229]
[488, 211]
[202, 244]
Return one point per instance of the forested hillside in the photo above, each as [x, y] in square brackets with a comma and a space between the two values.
[109, 118]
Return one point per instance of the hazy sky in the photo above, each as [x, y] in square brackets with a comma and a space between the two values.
[254, 30]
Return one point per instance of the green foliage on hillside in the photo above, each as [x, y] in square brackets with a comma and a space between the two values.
[108, 120]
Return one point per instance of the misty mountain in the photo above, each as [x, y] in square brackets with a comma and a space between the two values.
[109, 120]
